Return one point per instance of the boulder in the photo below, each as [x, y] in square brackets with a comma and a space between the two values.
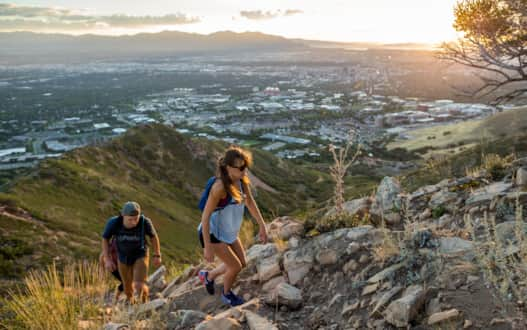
[445, 316]
[257, 322]
[260, 251]
[268, 268]
[216, 324]
[184, 319]
[442, 197]
[403, 310]
[521, 177]
[454, 245]
[285, 227]
[298, 263]
[285, 294]
[387, 196]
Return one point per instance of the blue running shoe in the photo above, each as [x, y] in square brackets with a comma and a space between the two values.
[209, 285]
[231, 299]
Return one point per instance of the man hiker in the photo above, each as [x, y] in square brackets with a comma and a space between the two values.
[129, 230]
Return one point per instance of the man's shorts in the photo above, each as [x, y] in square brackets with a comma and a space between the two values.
[135, 272]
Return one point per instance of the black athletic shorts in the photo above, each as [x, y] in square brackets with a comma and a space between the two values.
[213, 239]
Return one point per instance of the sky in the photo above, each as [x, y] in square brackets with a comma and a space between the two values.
[386, 21]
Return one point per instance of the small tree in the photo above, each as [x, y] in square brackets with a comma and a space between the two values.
[494, 42]
[340, 167]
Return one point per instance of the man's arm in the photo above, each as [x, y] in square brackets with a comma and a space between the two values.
[157, 250]
[108, 262]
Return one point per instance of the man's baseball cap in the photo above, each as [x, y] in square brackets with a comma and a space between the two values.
[131, 209]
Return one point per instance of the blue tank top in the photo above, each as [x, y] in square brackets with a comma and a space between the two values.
[225, 223]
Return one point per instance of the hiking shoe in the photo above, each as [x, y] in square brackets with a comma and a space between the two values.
[209, 285]
[231, 299]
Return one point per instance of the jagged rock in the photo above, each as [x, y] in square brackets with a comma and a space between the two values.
[195, 298]
[445, 316]
[487, 193]
[453, 245]
[335, 299]
[385, 273]
[467, 324]
[260, 251]
[433, 306]
[239, 311]
[350, 307]
[426, 214]
[403, 310]
[444, 221]
[184, 319]
[293, 242]
[116, 326]
[285, 227]
[152, 306]
[369, 289]
[350, 267]
[298, 263]
[392, 218]
[327, 257]
[285, 294]
[442, 197]
[156, 276]
[385, 299]
[170, 287]
[268, 267]
[423, 191]
[273, 283]
[356, 206]
[352, 248]
[364, 259]
[505, 231]
[521, 177]
[257, 322]
[360, 233]
[387, 196]
[216, 324]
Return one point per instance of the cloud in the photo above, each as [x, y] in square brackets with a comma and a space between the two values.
[291, 12]
[13, 17]
[266, 15]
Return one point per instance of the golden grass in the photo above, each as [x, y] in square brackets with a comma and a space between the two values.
[58, 300]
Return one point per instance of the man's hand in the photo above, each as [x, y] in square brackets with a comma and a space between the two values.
[109, 264]
[157, 260]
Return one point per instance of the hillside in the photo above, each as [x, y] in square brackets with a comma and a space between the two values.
[69, 199]
[28, 47]
[452, 258]
[458, 136]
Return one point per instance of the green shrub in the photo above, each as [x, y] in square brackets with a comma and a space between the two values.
[438, 211]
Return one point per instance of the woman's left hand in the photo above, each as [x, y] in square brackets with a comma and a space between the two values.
[262, 234]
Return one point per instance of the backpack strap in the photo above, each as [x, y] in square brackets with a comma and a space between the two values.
[142, 219]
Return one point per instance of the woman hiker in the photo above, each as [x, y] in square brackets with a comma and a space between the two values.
[223, 204]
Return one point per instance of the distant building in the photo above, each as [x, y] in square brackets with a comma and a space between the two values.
[287, 139]
[11, 151]
[101, 126]
[119, 130]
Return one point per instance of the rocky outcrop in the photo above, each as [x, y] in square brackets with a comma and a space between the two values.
[420, 271]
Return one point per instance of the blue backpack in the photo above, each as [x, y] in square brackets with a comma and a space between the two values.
[205, 195]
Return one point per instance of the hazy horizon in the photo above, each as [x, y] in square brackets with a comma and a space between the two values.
[375, 21]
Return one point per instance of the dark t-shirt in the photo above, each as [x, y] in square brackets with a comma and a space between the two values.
[131, 242]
